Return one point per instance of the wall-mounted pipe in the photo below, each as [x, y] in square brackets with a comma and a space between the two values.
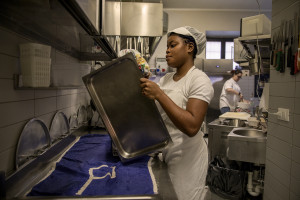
[256, 191]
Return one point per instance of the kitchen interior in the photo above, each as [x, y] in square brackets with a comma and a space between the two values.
[80, 37]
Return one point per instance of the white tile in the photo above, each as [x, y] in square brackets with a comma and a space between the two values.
[296, 155]
[281, 191]
[278, 159]
[66, 101]
[296, 121]
[293, 196]
[295, 171]
[282, 176]
[284, 89]
[65, 92]
[7, 161]
[297, 105]
[283, 10]
[282, 102]
[47, 119]
[270, 194]
[297, 89]
[16, 112]
[281, 146]
[7, 88]
[10, 135]
[296, 138]
[61, 58]
[276, 76]
[8, 66]
[274, 119]
[44, 93]
[281, 132]
[44, 106]
[295, 186]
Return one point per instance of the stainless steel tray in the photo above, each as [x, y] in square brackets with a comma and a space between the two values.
[132, 120]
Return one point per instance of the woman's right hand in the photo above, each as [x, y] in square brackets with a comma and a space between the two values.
[241, 97]
[150, 89]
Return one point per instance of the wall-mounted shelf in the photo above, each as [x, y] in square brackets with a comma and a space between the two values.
[250, 44]
[50, 23]
[257, 46]
[18, 87]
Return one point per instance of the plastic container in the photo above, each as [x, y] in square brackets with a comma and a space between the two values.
[34, 49]
[35, 71]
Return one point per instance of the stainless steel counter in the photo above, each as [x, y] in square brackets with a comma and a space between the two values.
[217, 139]
[19, 183]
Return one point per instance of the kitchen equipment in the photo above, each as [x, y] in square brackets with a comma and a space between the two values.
[244, 105]
[235, 115]
[253, 122]
[255, 25]
[60, 127]
[132, 120]
[33, 141]
[248, 145]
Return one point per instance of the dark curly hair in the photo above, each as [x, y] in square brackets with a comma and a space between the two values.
[235, 72]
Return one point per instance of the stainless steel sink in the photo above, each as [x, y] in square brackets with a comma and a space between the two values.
[248, 145]
[251, 133]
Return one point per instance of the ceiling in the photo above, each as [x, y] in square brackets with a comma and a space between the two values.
[265, 5]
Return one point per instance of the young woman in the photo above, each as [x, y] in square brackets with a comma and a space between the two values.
[183, 97]
[231, 93]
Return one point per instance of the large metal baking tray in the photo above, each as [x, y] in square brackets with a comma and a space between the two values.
[132, 120]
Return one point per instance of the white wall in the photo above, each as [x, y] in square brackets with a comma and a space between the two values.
[282, 179]
[203, 20]
[17, 107]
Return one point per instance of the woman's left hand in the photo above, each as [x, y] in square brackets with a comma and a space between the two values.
[150, 89]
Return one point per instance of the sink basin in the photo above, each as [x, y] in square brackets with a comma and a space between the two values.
[248, 145]
[251, 133]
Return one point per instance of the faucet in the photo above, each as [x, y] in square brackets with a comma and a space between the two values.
[259, 115]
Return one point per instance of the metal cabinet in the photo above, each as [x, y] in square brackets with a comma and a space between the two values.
[217, 139]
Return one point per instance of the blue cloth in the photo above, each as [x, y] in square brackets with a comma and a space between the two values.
[224, 110]
[92, 151]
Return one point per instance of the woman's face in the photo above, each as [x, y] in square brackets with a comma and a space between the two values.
[237, 77]
[177, 51]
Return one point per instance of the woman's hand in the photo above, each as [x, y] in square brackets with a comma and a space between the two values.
[150, 89]
[241, 96]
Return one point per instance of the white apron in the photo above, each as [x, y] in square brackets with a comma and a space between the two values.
[186, 157]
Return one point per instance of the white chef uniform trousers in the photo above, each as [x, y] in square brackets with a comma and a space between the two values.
[186, 157]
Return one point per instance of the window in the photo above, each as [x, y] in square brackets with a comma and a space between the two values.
[213, 50]
[220, 49]
[229, 51]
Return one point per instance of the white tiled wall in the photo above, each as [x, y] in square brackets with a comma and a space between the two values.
[282, 179]
[247, 86]
[19, 106]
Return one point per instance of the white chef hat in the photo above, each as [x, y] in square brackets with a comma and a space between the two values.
[198, 36]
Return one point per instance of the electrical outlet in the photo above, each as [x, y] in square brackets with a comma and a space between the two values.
[283, 114]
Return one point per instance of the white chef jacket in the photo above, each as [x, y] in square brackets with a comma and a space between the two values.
[228, 99]
[186, 157]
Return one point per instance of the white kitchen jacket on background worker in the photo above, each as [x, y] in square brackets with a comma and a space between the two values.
[231, 92]
[182, 98]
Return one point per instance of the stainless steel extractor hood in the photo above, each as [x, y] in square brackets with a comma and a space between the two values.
[134, 25]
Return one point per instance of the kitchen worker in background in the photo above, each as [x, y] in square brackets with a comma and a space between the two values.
[231, 92]
[182, 98]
